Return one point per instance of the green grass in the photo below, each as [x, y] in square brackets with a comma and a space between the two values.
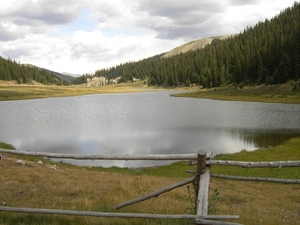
[7, 146]
[290, 150]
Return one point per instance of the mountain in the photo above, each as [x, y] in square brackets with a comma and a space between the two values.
[71, 74]
[194, 45]
[66, 77]
[27, 73]
[266, 53]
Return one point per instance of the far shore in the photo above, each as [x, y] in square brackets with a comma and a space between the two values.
[284, 93]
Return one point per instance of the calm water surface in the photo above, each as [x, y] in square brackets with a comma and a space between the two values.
[139, 123]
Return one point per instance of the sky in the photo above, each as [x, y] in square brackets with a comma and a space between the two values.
[82, 36]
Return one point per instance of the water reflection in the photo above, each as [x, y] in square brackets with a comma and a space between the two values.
[144, 123]
[264, 139]
[164, 142]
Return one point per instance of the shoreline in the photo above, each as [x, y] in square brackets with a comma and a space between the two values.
[285, 93]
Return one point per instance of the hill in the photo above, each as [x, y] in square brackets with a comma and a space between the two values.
[27, 74]
[194, 45]
[266, 53]
[65, 77]
[68, 78]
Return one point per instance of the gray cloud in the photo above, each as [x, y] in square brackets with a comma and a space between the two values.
[6, 35]
[16, 53]
[45, 12]
[181, 20]
[36, 17]
[243, 2]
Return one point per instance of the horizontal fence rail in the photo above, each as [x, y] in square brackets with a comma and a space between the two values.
[105, 157]
[264, 179]
[271, 164]
[113, 214]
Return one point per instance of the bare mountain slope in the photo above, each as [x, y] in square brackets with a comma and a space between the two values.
[193, 45]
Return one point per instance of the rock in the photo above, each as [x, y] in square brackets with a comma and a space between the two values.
[19, 161]
[53, 167]
[40, 162]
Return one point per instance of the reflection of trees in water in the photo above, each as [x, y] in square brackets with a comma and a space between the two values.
[264, 139]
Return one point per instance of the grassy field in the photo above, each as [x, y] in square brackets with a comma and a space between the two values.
[20, 92]
[97, 189]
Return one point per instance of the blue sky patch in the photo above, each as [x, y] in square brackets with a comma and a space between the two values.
[84, 22]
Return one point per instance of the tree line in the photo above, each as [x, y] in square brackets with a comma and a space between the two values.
[26, 74]
[267, 53]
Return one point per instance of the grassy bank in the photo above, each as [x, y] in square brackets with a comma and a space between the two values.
[98, 189]
[21, 92]
[284, 93]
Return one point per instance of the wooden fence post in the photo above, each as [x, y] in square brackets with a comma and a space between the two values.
[202, 185]
[201, 166]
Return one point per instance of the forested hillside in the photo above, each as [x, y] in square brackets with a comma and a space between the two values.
[265, 53]
[25, 74]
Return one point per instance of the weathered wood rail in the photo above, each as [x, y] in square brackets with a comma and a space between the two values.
[106, 156]
[201, 182]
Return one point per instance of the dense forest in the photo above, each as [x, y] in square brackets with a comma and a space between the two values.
[25, 74]
[268, 53]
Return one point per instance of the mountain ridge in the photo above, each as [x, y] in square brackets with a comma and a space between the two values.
[65, 76]
[194, 45]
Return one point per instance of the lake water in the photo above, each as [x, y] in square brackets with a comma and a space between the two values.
[138, 123]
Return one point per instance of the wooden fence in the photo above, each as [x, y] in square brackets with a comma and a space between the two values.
[201, 182]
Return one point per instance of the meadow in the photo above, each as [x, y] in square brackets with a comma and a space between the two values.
[70, 187]
[20, 92]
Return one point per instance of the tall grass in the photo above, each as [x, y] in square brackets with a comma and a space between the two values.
[82, 188]
[99, 189]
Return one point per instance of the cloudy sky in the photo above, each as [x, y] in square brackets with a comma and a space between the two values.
[81, 36]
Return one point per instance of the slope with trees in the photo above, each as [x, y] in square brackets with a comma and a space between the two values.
[26, 74]
[267, 53]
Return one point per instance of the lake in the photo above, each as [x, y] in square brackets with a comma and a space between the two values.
[144, 123]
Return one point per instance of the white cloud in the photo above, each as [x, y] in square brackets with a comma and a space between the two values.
[85, 35]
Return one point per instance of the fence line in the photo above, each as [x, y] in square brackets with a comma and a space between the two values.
[201, 182]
